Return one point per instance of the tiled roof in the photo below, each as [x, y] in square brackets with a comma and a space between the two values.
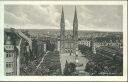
[24, 37]
[19, 34]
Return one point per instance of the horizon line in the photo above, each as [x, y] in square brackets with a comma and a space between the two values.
[65, 29]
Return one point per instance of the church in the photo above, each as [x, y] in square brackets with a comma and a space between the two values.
[69, 42]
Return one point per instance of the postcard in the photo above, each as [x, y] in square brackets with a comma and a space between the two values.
[63, 40]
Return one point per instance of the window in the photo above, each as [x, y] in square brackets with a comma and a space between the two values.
[9, 47]
[6, 54]
[12, 47]
[9, 64]
[5, 46]
[11, 54]
[10, 73]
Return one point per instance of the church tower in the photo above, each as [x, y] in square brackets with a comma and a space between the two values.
[75, 31]
[62, 32]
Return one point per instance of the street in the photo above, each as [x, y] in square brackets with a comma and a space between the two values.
[40, 62]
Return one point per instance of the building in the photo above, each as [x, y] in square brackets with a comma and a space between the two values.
[41, 47]
[113, 42]
[85, 43]
[10, 53]
[68, 43]
[50, 41]
[16, 47]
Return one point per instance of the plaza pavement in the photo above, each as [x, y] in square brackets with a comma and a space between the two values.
[71, 58]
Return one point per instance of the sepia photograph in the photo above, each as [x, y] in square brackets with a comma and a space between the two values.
[63, 40]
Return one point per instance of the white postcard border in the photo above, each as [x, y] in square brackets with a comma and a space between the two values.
[66, 78]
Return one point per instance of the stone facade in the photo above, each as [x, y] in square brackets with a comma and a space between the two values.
[16, 47]
[69, 43]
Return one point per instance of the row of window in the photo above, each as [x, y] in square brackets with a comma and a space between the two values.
[85, 43]
[10, 73]
[9, 54]
[9, 47]
[9, 64]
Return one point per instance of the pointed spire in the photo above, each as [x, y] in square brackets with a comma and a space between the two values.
[62, 18]
[75, 25]
[62, 10]
[75, 11]
[75, 16]
[62, 31]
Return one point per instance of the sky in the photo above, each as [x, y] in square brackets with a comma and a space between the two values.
[90, 17]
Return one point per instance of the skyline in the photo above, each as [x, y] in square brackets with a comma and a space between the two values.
[108, 18]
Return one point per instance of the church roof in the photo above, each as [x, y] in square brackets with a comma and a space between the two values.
[9, 36]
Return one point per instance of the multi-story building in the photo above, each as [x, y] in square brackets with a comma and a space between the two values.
[109, 42]
[84, 42]
[41, 47]
[10, 55]
[50, 41]
[16, 47]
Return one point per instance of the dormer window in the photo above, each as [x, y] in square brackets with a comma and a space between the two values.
[9, 47]
[8, 41]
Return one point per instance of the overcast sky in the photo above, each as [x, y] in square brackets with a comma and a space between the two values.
[90, 17]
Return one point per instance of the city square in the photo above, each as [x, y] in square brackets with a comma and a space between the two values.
[61, 51]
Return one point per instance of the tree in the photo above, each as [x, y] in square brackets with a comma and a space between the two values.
[69, 68]
[34, 47]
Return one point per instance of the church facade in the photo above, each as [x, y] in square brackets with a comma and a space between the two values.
[69, 42]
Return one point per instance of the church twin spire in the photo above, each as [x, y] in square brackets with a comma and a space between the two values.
[75, 21]
[62, 33]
